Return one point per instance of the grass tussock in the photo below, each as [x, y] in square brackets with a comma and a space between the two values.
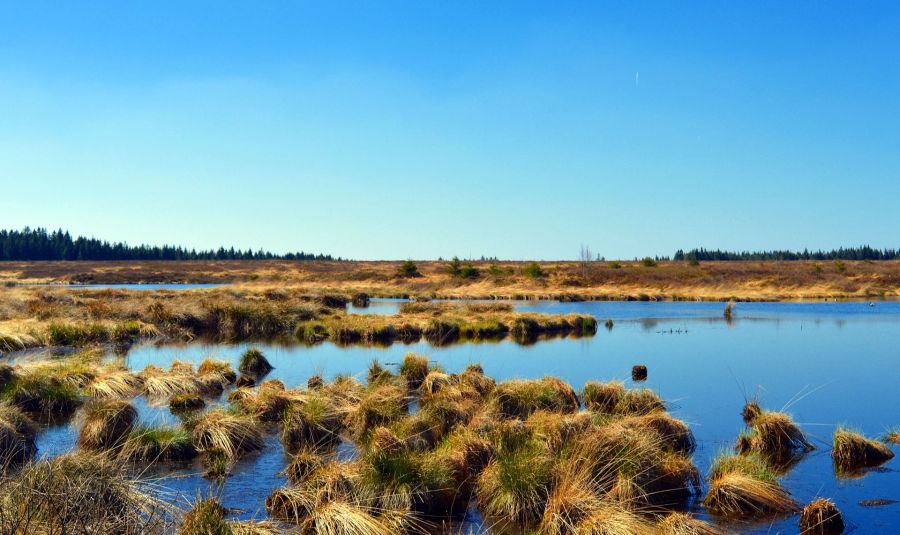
[379, 405]
[745, 486]
[162, 384]
[254, 363]
[122, 384]
[221, 368]
[853, 452]
[603, 397]
[515, 485]
[231, 434]
[105, 423]
[892, 437]
[683, 524]
[520, 398]
[150, 444]
[17, 437]
[78, 492]
[821, 517]
[414, 368]
[315, 421]
[206, 517]
[185, 403]
[775, 436]
[43, 396]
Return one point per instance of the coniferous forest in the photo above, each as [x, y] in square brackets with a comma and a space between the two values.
[852, 253]
[39, 244]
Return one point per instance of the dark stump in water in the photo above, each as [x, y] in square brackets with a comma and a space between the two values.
[639, 373]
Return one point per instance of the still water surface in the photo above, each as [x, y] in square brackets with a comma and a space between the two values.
[825, 363]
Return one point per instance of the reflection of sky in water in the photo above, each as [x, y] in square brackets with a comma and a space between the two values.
[830, 363]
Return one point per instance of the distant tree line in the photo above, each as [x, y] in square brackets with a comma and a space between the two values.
[851, 253]
[39, 244]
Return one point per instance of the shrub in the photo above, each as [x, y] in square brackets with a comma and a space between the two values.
[453, 267]
[408, 269]
[534, 271]
[648, 262]
[468, 272]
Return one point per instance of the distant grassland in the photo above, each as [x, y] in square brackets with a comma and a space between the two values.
[751, 280]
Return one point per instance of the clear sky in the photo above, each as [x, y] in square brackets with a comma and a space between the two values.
[423, 129]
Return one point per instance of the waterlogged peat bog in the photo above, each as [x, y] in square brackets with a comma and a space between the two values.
[736, 427]
[50, 316]
[606, 280]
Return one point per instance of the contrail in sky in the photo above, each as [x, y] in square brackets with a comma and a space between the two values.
[637, 78]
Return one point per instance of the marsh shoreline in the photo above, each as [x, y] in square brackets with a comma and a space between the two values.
[560, 280]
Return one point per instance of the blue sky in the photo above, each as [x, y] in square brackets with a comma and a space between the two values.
[423, 129]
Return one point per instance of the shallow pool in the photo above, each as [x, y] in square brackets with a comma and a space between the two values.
[826, 363]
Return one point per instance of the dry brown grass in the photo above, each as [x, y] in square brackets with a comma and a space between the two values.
[79, 493]
[774, 435]
[683, 524]
[710, 280]
[853, 452]
[745, 486]
[105, 423]
[17, 437]
[229, 433]
[821, 517]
